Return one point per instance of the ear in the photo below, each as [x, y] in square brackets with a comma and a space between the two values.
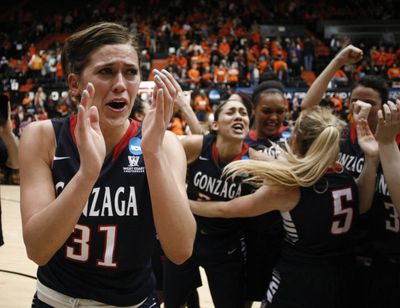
[73, 83]
[214, 126]
[351, 106]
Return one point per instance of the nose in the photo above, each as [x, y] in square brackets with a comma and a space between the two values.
[275, 115]
[119, 84]
[238, 116]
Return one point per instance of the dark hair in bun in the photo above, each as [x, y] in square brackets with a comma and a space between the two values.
[270, 86]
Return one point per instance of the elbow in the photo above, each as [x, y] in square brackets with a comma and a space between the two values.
[37, 254]
[39, 259]
[181, 255]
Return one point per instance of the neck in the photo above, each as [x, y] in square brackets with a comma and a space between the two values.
[228, 150]
[113, 134]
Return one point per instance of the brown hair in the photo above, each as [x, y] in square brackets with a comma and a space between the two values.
[79, 46]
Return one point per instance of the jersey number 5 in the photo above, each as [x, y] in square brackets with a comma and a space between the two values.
[80, 251]
[340, 197]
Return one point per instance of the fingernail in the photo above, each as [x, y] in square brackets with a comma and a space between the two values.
[165, 72]
[157, 78]
[156, 71]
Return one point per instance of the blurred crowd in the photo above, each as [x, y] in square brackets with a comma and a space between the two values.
[212, 48]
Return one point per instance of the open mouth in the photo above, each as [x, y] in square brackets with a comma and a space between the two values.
[117, 105]
[271, 125]
[238, 128]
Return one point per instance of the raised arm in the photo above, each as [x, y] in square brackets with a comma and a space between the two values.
[47, 221]
[347, 55]
[182, 100]
[279, 198]
[387, 130]
[367, 179]
[166, 169]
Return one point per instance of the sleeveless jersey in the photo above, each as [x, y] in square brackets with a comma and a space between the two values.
[320, 225]
[382, 220]
[204, 182]
[108, 254]
[266, 145]
[269, 223]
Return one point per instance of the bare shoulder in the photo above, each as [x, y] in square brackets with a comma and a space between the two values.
[38, 140]
[172, 146]
[192, 145]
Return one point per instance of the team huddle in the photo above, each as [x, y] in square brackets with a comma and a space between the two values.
[304, 215]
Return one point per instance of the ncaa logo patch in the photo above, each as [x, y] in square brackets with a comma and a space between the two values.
[134, 146]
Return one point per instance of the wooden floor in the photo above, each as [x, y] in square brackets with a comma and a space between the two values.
[15, 290]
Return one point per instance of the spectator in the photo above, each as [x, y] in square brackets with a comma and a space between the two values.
[202, 106]
[308, 54]
[8, 151]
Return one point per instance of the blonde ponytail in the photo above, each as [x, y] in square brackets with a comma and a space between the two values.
[317, 147]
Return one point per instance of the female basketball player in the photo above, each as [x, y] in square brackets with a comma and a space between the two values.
[219, 242]
[264, 233]
[318, 202]
[378, 230]
[97, 187]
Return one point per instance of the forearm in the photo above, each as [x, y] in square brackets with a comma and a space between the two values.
[173, 219]
[192, 120]
[209, 208]
[390, 159]
[11, 142]
[366, 183]
[47, 230]
[319, 86]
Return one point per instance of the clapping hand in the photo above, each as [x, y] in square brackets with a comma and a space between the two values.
[159, 115]
[388, 122]
[89, 138]
[361, 110]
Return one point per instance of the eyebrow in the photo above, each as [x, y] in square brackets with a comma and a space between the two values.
[111, 64]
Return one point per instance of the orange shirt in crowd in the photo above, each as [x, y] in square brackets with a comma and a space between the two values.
[201, 103]
[220, 75]
[338, 102]
[393, 72]
[194, 75]
[176, 126]
[340, 74]
[224, 48]
[280, 64]
[233, 75]
[182, 62]
[59, 70]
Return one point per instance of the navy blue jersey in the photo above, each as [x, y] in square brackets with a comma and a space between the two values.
[108, 254]
[320, 225]
[269, 223]
[263, 233]
[267, 145]
[204, 182]
[385, 220]
[382, 221]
